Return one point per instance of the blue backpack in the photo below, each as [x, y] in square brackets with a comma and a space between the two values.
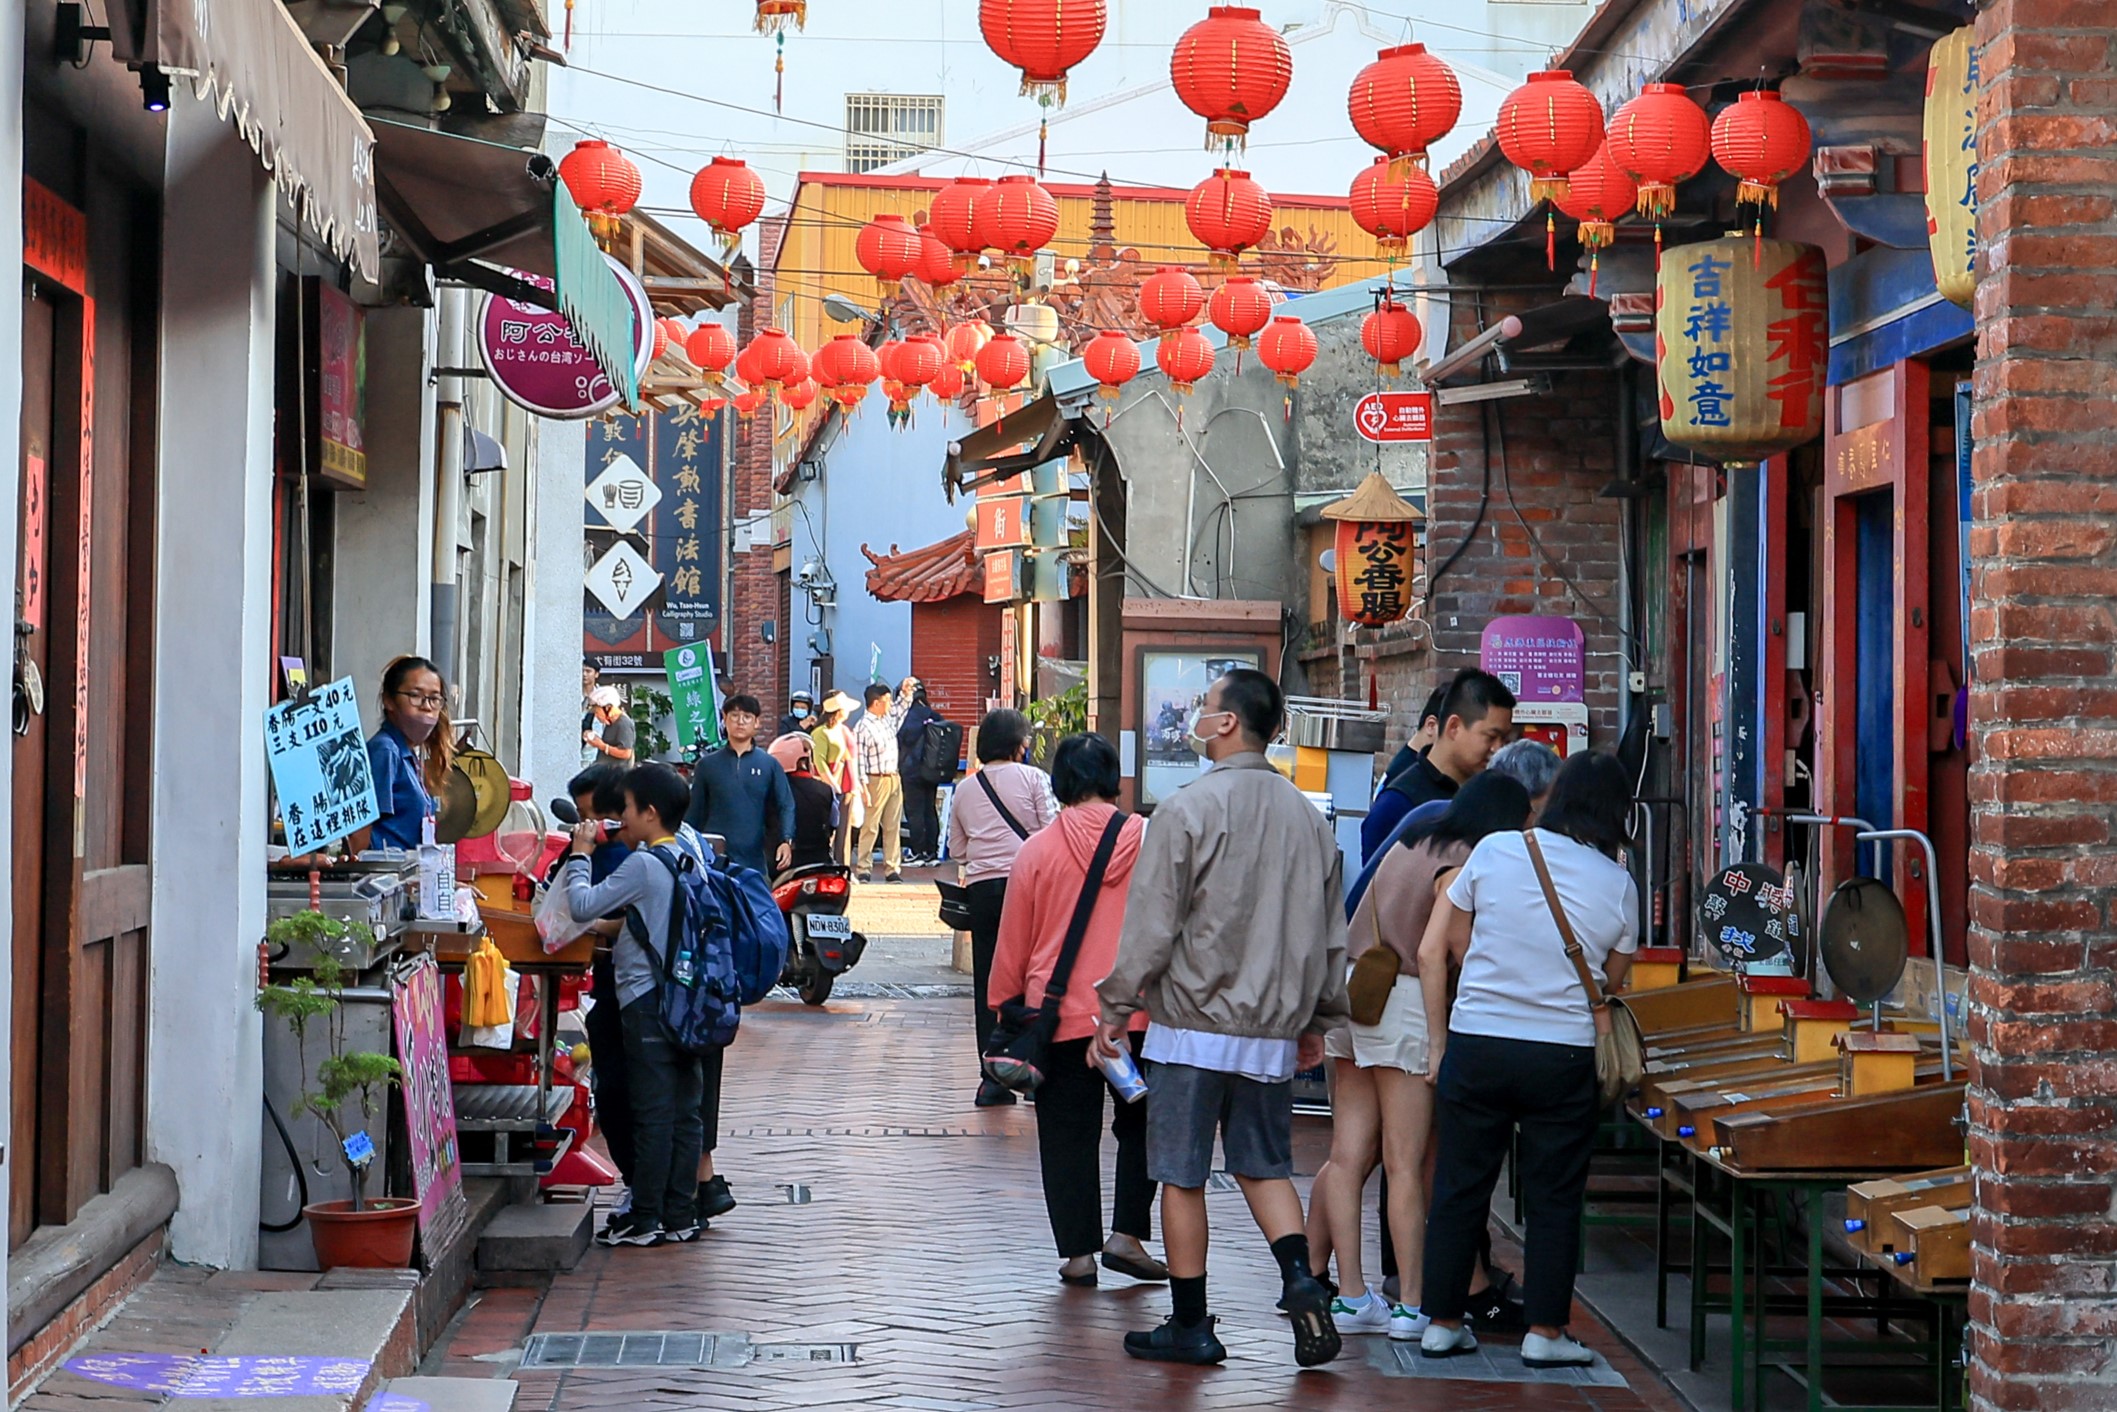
[701, 996]
[757, 929]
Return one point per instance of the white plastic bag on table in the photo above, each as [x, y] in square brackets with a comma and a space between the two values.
[556, 924]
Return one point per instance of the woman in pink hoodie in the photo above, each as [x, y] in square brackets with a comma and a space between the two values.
[1043, 891]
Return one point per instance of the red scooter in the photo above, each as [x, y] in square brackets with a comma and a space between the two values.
[822, 944]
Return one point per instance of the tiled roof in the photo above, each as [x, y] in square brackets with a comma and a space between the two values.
[928, 575]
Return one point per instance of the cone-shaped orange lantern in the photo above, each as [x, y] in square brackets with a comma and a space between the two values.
[1376, 551]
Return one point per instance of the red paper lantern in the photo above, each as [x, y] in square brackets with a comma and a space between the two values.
[1547, 127]
[887, 248]
[1598, 195]
[1170, 298]
[947, 384]
[953, 217]
[603, 182]
[899, 397]
[1760, 140]
[1228, 213]
[1393, 207]
[711, 347]
[1186, 357]
[937, 264]
[846, 367]
[1112, 359]
[919, 361]
[1043, 38]
[1404, 102]
[747, 402]
[1240, 308]
[964, 341]
[1288, 348]
[710, 407]
[1391, 334]
[886, 357]
[1659, 139]
[1003, 363]
[800, 396]
[1017, 217]
[668, 334]
[776, 360]
[727, 196]
[1231, 68]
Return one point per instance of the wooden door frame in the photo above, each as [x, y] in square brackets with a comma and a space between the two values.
[1884, 455]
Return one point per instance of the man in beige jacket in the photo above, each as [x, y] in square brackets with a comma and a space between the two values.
[1234, 944]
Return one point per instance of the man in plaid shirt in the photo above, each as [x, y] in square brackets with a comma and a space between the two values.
[875, 763]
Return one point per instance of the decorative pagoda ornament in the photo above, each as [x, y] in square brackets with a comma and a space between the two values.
[1240, 308]
[1169, 299]
[1231, 68]
[1742, 346]
[952, 217]
[1547, 127]
[1760, 139]
[1112, 359]
[1016, 217]
[1659, 140]
[1950, 124]
[1403, 103]
[1228, 213]
[964, 341]
[711, 347]
[1598, 195]
[1003, 363]
[774, 17]
[727, 196]
[1393, 208]
[1376, 550]
[846, 368]
[603, 182]
[889, 249]
[1043, 39]
[1391, 335]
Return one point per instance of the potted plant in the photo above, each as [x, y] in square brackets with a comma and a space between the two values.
[361, 1232]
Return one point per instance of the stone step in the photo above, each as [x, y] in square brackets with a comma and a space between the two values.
[447, 1395]
[537, 1236]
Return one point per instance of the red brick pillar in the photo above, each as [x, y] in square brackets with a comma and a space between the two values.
[2043, 922]
[753, 588]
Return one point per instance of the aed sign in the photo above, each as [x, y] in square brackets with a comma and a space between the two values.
[1395, 416]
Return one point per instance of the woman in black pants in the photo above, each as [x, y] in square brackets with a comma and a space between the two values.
[1050, 875]
[1519, 1053]
[994, 811]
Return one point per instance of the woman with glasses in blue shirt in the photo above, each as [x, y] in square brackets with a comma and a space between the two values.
[410, 755]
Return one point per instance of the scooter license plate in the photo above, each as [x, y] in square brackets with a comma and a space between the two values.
[836, 928]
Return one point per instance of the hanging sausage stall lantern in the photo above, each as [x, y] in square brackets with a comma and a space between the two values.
[1376, 552]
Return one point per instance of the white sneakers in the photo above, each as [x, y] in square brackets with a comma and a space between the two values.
[1406, 1324]
[1440, 1341]
[1369, 1314]
[1565, 1351]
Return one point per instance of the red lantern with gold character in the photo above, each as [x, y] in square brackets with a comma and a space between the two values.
[1170, 298]
[1043, 38]
[1404, 102]
[1016, 217]
[1659, 140]
[603, 182]
[1760, 139]
[1228, 213]
[1376, 551]
[1240, 308]
[1186, 357]
[887, 248]
[1391, 335]
[1392, 207]
[1003, 363]
[1231, 68]
[727, 196]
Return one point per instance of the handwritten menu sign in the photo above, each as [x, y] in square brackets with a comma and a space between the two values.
[320, 766]
[1539, 658]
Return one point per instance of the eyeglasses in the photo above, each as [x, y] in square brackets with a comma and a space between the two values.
[430, 700]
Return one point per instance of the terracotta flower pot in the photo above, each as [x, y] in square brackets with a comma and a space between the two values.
[377, 1238]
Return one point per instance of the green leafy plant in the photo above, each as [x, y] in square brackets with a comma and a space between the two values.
[650, 707]
[319, 998]
[1054, 718]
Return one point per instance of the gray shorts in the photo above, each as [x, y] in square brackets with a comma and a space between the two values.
[1186, 1107]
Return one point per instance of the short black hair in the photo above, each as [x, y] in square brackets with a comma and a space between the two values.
[1472, 694]
[590, 664]
[602, 785]
[661, 791]
[1085, 766]
[1256, 701]
[876, 691]
[1001, 735]
[1490, 803]
[1591, 802]
[742, 701]
[1431, 711]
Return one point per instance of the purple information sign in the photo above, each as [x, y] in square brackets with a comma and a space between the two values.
[251, 1375]
[1540, 659]
[537, 363]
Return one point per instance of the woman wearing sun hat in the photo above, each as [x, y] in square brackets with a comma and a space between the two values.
[835, 767]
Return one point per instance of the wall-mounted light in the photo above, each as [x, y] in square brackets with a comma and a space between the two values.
[154, 89]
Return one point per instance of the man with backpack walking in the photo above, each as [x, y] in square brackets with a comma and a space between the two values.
[929, 747]
[676, 993]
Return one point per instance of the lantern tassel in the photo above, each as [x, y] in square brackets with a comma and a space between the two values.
[568, 44]
[1286, 413]
[779, 75]
[1043, 138]
[1550, 241]
[1594, 268]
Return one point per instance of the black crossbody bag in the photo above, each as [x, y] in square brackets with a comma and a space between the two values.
[1015, 1055]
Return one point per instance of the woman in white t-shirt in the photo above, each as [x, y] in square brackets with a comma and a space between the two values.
[1516, 1055]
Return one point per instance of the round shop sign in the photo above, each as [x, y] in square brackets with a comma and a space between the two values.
[538, 364]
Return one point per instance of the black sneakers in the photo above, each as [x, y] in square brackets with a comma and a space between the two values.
[1316, 1339]
[714, 1198]
[1173, 1343]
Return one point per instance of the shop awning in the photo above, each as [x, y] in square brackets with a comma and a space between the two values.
[1028, 436]
[475, 210]
[253, 62]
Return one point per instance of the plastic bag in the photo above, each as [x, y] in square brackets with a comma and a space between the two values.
[556, 924]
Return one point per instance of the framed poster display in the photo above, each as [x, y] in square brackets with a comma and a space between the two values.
[1172, 681]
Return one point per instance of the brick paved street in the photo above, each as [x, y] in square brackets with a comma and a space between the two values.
[924, 1244]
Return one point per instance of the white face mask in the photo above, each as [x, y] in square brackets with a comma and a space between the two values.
[1197, 742]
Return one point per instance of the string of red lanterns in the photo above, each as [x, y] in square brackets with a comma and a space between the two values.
[1231, 68]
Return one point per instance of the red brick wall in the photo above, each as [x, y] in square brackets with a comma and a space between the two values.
[43, 1349]
[2043, 937]
[755, 591]
[950, 642]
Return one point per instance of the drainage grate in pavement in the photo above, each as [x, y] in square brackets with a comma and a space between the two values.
[657, 1348]
[805, 1352]
[1491, 1363]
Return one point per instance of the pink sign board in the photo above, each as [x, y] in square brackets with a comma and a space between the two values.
[1539, 658]
[538, 364]
[429, 1103]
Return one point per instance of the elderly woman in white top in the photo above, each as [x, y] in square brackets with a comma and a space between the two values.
[1516, 1055]
[994, 809]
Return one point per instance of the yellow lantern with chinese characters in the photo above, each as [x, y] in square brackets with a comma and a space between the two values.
[1376, 550]
[1951, 164]
[1742, 346]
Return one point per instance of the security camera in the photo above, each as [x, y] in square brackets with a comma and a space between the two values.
[808, 573]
